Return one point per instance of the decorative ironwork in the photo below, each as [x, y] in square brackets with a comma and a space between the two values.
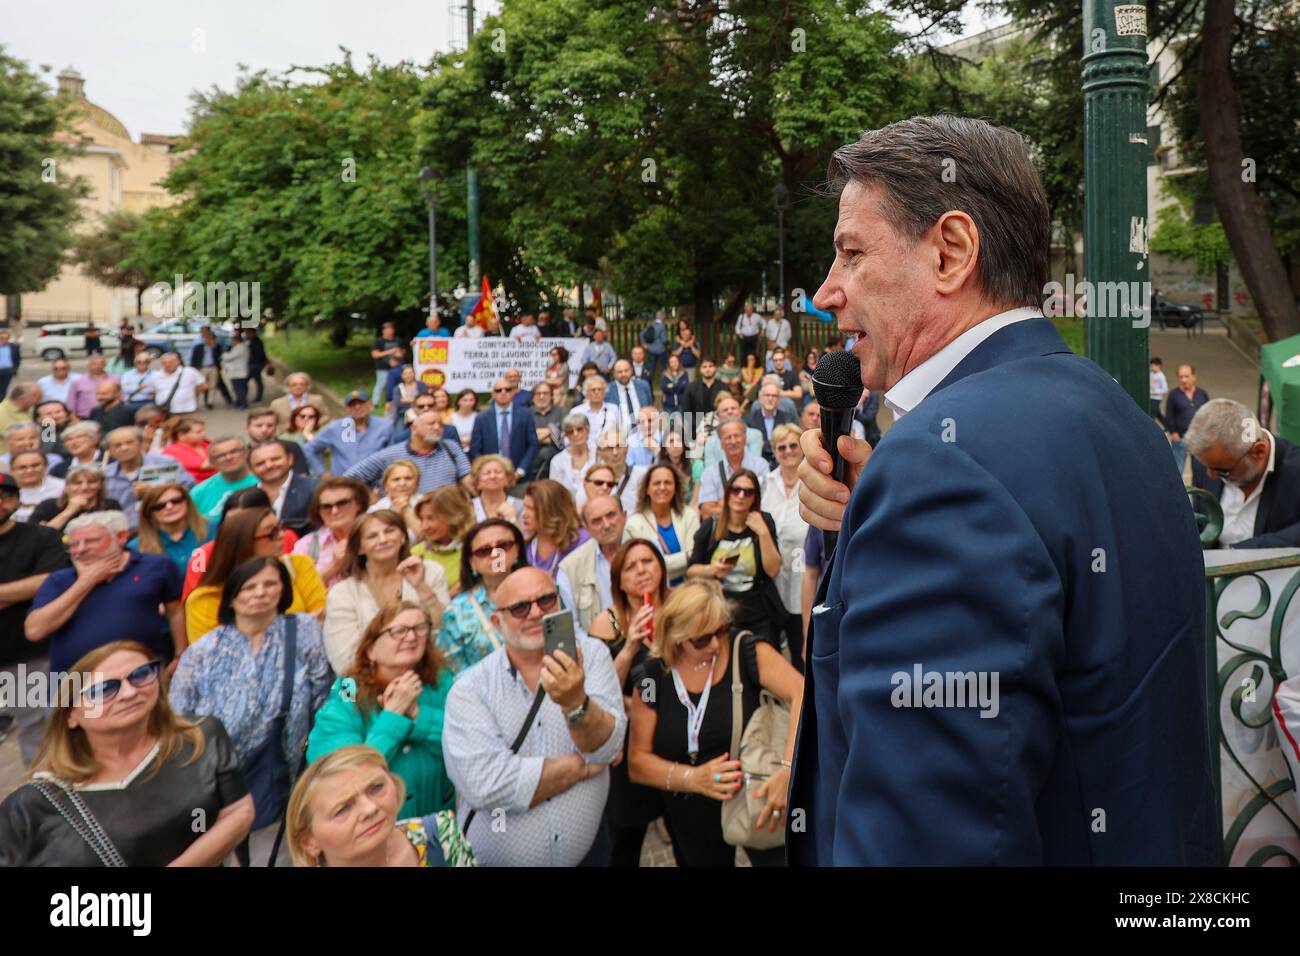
[1243, 675]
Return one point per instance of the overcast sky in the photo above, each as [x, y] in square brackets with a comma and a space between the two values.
[138, 60]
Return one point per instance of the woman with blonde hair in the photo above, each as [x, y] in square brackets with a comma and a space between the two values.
[401, 484]
[344, 809]
[550, 524]
[492, 476]
[393, 698]
[169, 524]
[378, 570]
[681, 723]
[83, 493]
[121, 779]
[445, 515]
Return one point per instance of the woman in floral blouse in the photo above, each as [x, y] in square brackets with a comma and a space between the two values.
[344, 811]
[492, 549]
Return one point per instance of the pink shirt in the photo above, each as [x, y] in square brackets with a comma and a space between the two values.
[81, 394]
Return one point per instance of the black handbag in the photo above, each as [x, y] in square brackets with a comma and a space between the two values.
[267, 770]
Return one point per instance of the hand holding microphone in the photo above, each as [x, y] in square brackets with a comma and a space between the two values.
[833, 459]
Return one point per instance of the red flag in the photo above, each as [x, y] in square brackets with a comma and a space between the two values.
[485, 308]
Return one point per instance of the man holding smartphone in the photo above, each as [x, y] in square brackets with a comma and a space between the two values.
[537, 787]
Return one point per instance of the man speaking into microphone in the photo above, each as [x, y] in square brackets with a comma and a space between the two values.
[1007, 661]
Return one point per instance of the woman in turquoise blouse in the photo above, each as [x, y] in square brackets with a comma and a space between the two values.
[393, 700]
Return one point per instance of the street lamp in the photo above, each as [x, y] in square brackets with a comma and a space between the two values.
[781, 197]
[428, 177]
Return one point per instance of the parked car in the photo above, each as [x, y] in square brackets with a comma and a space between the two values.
[1169, 313]
[179, 335]
[66, 339]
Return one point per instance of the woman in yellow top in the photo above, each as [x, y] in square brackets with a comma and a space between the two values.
[445, 515]
[250, 533]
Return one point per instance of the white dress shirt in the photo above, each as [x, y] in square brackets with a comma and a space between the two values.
[1239, 510]
[910, 390]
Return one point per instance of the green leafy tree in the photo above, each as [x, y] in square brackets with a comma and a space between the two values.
[38, 199]
[102, 254]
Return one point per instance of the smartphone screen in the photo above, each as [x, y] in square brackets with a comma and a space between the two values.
[557, 630]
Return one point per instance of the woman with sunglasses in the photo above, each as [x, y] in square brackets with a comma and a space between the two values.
[344, 812]
[169, 524]
[780, 494]
[377, 570]
[250, 533]
[636, 573]
[492, 476]
[83, 492]
[738, 549]
[577, 455]
[392, 697]
[302, 425]
[236, 673]
[665, 519]
[681, 724]
[492, 549]
[336, 503]
[120, 779]
[551, 525]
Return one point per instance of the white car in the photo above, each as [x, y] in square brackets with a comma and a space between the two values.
[65, 339]
[179, 335]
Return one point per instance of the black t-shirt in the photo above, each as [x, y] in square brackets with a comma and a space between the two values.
[789, 378]
[25, 550]
[49, 508]
[749, 574]
[385, 363]
[151, 820]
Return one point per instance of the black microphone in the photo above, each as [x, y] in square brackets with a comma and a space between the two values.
[837, 385]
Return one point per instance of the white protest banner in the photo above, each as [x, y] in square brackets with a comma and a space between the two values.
[159, 474]
[456, 364]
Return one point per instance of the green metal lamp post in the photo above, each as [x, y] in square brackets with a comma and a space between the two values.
[1116, 264]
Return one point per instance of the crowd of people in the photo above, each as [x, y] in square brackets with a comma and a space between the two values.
[324, 635]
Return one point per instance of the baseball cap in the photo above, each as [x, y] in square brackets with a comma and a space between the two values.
[356, 395]
[8, 482]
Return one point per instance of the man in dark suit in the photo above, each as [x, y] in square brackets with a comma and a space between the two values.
[1021, 679]
[206, 357]
[507, 429]
[629, 393]
[290, 494]
[1180, 407]
[767, 413]
[1254, 474]
[10, 358]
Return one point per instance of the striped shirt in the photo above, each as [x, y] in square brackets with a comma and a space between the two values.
[444, 465]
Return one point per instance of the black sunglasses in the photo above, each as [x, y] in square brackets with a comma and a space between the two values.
[106, 690]
[741, 492]
[160, 505]
[520, 609]
[498, 391]
[601, 482]
[704, 640]
[482, 551]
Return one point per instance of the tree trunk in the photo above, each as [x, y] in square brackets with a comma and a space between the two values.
[702, 314]
[1242, 212]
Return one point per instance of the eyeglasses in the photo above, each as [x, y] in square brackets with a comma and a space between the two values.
[788, 446]
[1225, 472]
[162, 505]
[483, 551]
[336, 505]
[275, 532]
[399, 632]
[498, 391]
[601, 482]
[704, 640]
[545, 603]
[106, 690]
[739, 491]
[233, 453]
[423, 407]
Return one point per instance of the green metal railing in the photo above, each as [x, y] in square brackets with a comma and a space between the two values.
[719, 339]
[1247, 701]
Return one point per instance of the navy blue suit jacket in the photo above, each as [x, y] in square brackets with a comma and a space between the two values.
[638, 385]
[986, 516]
[523, 436]
[296, 499]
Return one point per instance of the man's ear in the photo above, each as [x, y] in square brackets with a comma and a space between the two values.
[955, 242]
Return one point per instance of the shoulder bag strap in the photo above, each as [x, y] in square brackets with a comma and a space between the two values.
[180, 374]
[84, 823]
[519, 742]
[722, 475]
[737, 698]
[627, 476]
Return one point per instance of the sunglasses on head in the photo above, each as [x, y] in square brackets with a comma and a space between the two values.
[546, 603]
[483, 550]
[167, 503]
[106, 690]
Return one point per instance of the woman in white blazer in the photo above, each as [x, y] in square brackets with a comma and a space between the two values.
[378, 569]
[665, 519]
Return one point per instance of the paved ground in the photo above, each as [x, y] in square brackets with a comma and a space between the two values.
[1223, 371]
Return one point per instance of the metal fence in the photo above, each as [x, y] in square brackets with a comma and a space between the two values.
[1254, 788]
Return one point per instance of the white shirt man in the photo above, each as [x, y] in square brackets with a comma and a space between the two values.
[526, 331]
[184, 381]
[55, 388]
[778, 332]
[748, 324]
[137, 387]
[468, 331]
[1239, 510]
